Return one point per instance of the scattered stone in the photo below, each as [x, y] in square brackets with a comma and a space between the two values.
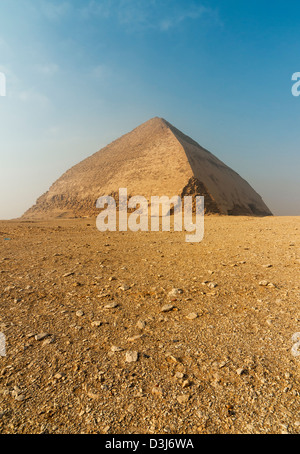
[124, 287]
[58, 376]
[116, 349]
[167, 308]
[96, 323]
[141, 324]
[183, 399]
[296, 350]
[212, 285]
[179, 375]
[186, 384]
[111, 305]
[263, 283]
[241, 371]
[49, 340]
[41, 336]
[296, 337]
[131, 357]
[112, 278]
[20, 397]
[69, 274]
[80, 313]
[175, 292]
[134, 338]
[192, 316]
[157, 391]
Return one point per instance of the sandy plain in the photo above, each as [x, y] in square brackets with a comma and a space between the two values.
[96, 343]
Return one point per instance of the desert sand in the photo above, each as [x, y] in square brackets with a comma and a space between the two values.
[130, 333]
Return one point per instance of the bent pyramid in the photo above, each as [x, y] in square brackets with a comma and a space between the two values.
[153, 159]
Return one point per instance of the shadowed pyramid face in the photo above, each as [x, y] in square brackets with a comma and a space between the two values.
[155, 159]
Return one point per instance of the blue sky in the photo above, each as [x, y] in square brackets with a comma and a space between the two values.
[80, 73]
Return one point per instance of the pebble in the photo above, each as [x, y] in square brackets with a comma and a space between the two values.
[241, 371]
[41, 336]
[186, 384]
[134, 338]
[212, 285]
[183, 399]
[111, 305]
[296, 350]
[141, 324]
[58, 376]
[296, 337]
[79, 313]
[97, 323]
[68, 274]
[263, 283]
[179, 375]
[115, 349]
[192, 316]
[124, 287]
[167, 308]
[131, 357]
[49, 340]
[175, 292]
[157, 391]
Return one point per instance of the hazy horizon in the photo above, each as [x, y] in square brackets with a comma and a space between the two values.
[80, 74]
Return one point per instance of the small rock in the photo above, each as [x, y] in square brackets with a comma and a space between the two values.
[212, 285]
[157, 391]
[192, 316]
[49, 340]
[131, 357]
[79, 313]
[41, 336]
[134, 338]
[58, 376]
[96, 323]
[111, 305]
[183, 399]
[124, 287]
[141, 324]
[241, 371]
[115, 349]
[167, 308]
[186, 384]
[175, 292]
[179, 375]
[296, 350]
[263, 283]
[296, 337]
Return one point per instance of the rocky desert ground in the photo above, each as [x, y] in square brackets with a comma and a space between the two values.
[143, 333]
